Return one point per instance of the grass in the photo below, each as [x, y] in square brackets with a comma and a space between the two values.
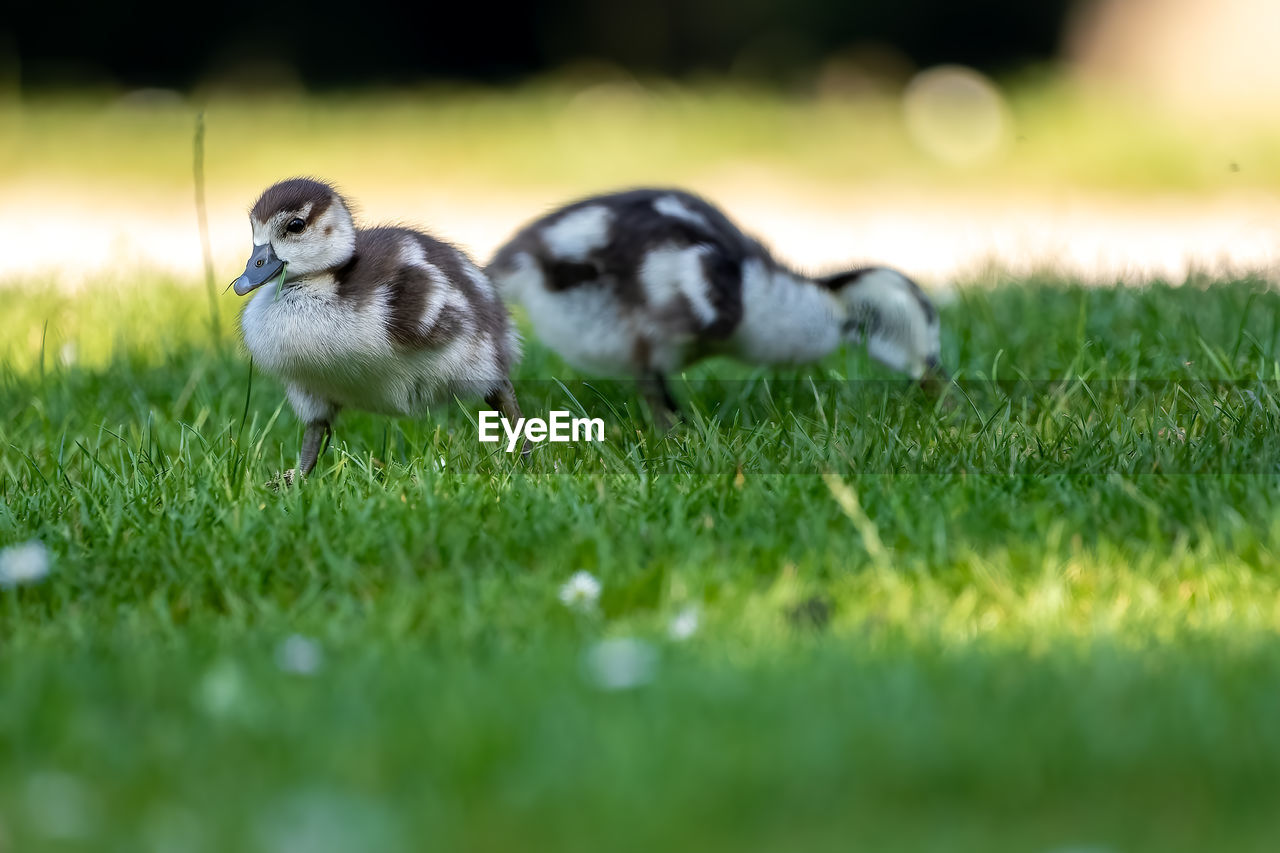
[1039, 613]
[572, 136]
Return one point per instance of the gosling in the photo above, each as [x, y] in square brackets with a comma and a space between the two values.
[386, 320]
[644, 282]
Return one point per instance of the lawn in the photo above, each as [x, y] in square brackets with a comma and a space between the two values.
[565, 137]
[1038, 612]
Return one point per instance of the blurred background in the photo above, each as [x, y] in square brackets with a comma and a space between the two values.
[962, 141]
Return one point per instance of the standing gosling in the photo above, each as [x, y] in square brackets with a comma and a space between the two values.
[646, 281]
[385, 319]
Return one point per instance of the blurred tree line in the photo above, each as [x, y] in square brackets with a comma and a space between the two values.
[326, 43]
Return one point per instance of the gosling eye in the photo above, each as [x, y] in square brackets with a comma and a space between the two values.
[295, 226]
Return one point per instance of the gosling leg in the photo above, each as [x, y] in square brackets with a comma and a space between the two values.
[666, 411]
[504, 400]
[935, 378]
[316, 435]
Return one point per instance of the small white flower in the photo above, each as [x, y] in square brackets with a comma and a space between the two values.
[299, 655]
[25, 563]
[581, 591]
[59, 805]
[621, 663]
[317, 821]
[685, 623]
[222, 691]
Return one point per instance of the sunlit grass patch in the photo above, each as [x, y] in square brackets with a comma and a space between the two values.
[1009, 618]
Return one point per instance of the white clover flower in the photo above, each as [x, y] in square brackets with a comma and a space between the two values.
[25, 563]
[222, 691]
[621, 663]
[299, 655]
[581, 591]
[685, 623]
[61, 806]
[319, 821]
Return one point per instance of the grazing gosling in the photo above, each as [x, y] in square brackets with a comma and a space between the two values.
[647, 281]
[383, 319]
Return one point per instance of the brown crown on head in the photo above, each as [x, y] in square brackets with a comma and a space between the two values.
[294, 194]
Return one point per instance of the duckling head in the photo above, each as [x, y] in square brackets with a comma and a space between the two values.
[891, 315]
[300, 227]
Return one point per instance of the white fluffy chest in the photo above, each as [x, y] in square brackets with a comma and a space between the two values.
[338, 351]
[306, 331]
[784, 321]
